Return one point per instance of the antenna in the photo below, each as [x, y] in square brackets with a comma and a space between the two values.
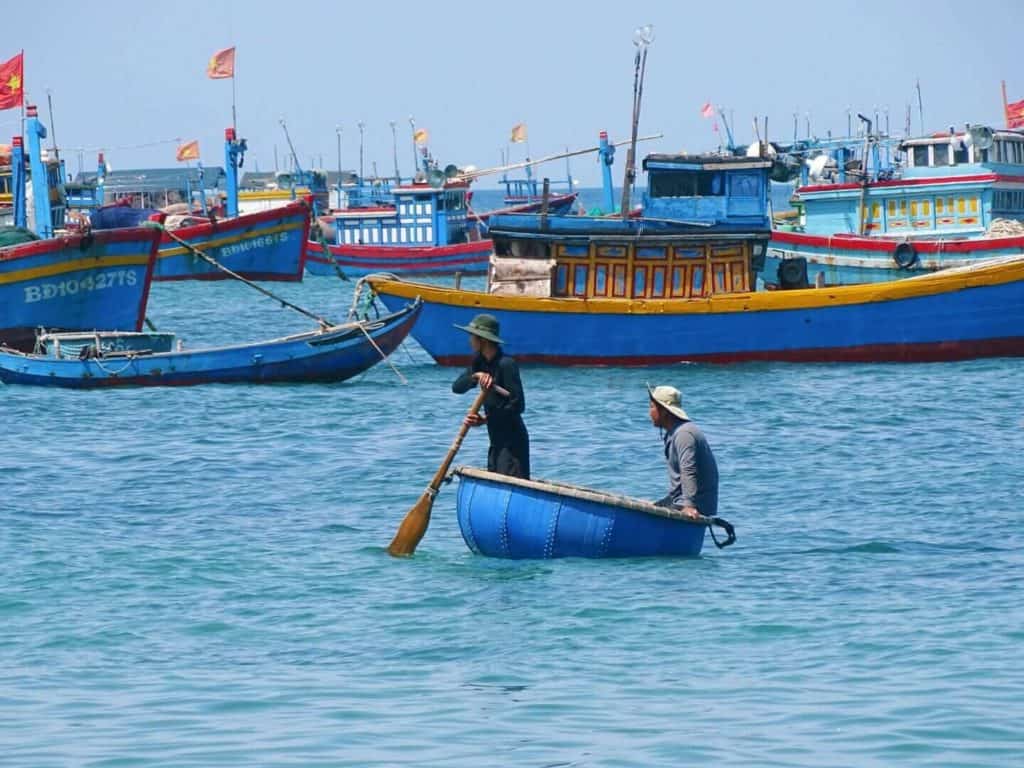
[53, 131]
[642, 38]
[362, 126]
[920, 105]
[291, 147]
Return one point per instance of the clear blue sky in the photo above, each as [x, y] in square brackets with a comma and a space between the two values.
[127, 73]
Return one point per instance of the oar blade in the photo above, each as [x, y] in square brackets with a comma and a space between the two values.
[411, 531]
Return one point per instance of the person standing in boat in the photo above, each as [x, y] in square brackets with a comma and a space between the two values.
[509, 453]
[692, 469]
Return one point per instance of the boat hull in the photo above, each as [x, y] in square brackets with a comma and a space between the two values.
[558, 205]
[334, 355]
[510, 518]
[358, 260]
[853, 259]
[956, 314]
[268, 245]
[76, 283]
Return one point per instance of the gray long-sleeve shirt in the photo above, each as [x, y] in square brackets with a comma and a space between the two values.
[692, 469]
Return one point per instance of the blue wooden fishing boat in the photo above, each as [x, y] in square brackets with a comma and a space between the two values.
[67, 281]
[875, 208]
[262, 245]
[502, 516]
[677, 284]
[97, 360]
[427, 232]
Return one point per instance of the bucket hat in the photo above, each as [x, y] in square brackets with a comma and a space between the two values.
[484, 326]
[670, 399]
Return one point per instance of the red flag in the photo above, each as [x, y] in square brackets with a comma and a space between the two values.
[1015, 114]
[12, 91]
[187, 151]
[707, 110]
[221, 64]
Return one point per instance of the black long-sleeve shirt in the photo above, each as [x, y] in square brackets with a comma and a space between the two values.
[509, 453]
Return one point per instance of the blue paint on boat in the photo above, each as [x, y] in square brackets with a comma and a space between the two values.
[956, 314]
[500, 516]
[76, 283]
[331, 354]
[266, 245]
[891, 209]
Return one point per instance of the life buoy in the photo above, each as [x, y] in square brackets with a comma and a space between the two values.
[793, 273]
[905, 256]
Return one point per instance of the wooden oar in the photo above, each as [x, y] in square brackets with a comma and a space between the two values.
[411, 531]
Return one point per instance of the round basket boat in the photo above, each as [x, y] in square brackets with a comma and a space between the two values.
[503, 516]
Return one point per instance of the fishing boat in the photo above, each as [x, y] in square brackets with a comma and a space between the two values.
[677, 284]
[875, 208]
[502, 516]
[69, 281]
[262, 245]
[431, 229]
[96, 360]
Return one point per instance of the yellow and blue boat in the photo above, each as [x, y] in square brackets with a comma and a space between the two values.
[677, 283]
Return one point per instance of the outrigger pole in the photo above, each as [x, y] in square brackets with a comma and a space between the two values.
[470, 175]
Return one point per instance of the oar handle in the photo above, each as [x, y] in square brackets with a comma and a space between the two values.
[435, 484]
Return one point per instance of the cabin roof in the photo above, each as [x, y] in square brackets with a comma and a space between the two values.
[943, 137]
[704, 162]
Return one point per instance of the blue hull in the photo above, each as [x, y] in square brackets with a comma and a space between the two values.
[268, 245]
[76, 283]
[957, 314]
[521, 519]
[333, 355]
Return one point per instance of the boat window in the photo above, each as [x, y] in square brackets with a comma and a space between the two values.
[744, 185]
[687, 184]
[941, 154]
[579, 286]
[698, 282]
[658, 282]
[961, 153]
[920, 156]
[600, 279]
[619, 280]
[562, 280]
[639, 281]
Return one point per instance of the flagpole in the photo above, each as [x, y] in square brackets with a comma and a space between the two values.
[22, 54]
[234, 121]
[1006, 106]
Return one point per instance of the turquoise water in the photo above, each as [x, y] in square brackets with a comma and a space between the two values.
[197, 577]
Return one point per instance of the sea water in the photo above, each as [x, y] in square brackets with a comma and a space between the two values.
[198, 576]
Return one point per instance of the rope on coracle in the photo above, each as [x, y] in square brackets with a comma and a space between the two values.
[213, 262]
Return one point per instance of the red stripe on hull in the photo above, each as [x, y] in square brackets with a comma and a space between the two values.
[99, 238]
[885, 245]
[935, 352]
[315, 251]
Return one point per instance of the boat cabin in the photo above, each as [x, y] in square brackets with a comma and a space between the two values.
[422, 215]
[702, 230]
[952, 185]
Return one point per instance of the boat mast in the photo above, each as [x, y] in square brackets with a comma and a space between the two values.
[642, 38]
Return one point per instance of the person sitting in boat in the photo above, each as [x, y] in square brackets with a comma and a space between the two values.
[692, 469]
[509, 453]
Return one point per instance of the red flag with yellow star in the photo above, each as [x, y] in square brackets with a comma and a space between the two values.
[12, 91]
[222, 64]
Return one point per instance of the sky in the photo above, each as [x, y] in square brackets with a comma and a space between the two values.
[130, 77]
